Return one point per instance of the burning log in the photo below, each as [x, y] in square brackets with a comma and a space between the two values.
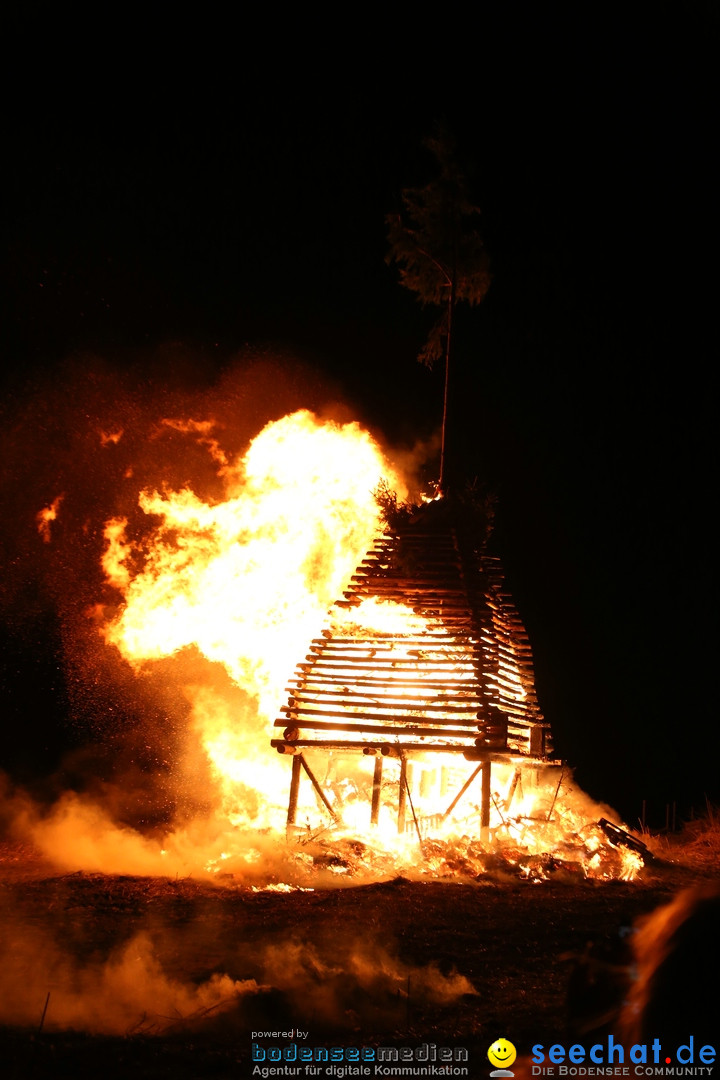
[620, 838]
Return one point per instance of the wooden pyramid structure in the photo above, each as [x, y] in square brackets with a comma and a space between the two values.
[425, 653]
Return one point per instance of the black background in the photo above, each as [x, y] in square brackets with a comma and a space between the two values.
[179, 196]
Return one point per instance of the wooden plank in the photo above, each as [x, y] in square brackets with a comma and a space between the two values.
[421, 650]
[462, 662]
[439, 730]
[417, 659]
[381, 696]
[419, 638]
[469, 687]
[411, 598]
[424, 705]
[385, 649]
[411, 587]
[378, 695]
[373, 744]
[452, 582]
[387, 730]
[298, 714]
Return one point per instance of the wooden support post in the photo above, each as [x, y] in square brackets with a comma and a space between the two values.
[377, 785]
[485, 802]
[402, 795]
[294, 789]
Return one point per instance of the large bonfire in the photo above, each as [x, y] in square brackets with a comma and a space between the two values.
[229, 591]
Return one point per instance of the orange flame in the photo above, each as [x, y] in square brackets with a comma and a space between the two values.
[247, 581]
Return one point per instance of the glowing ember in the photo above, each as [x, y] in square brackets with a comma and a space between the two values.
[46, 517]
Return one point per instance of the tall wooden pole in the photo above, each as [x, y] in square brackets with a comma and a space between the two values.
[446, 394]
[402, 795]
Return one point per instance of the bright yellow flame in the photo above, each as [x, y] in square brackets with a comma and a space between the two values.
[248, 580]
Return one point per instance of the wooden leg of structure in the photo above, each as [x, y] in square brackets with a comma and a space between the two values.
[377, 785]
[294, 789]
[485, 802]
[402, 795]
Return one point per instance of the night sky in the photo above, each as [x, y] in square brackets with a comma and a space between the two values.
[175, 206]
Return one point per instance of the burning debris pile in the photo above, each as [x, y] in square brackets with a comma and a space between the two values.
[412, 718]
[556, 838]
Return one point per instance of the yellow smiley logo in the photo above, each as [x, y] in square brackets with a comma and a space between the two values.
[502, 1053]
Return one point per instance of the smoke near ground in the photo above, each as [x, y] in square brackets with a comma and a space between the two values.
[134, 990]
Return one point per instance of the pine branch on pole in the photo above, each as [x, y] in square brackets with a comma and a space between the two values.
[442, 258]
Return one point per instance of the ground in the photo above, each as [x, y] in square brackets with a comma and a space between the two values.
[353, 966]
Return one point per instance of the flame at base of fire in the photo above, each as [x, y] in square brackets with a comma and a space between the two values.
[541, 824]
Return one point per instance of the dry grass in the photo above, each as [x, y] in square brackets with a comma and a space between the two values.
[701, 839]
[696, 846]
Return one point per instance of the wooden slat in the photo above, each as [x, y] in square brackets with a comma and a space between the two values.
[388, 706]
[384, 696]
[373, 744]
[385, 651]
[303, 720]
[388, 664]
[473, 654]
[387, 729]
[470, 686]
[296, 711]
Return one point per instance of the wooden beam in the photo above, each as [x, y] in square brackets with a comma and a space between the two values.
[485, 801]
[402, 795]
[469, 686]
[376, 790]
[387, 730]
[419, 706]
[374, 744]
[294, 789]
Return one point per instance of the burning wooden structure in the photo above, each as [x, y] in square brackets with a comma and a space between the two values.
[425, 654]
